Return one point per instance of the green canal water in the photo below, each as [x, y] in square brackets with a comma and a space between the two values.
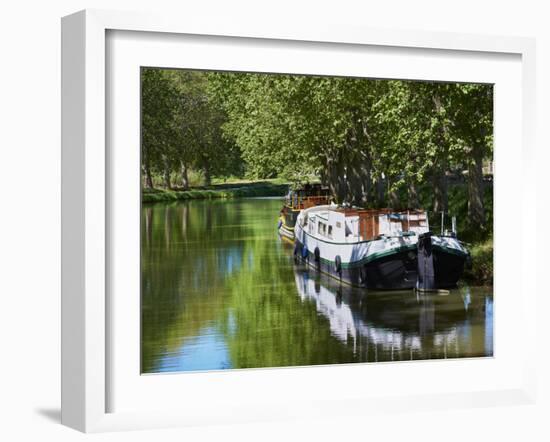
[220, 290]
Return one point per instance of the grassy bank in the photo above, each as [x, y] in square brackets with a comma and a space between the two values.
[222, 190]
[481, 272]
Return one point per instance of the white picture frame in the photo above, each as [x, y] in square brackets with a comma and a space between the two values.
[86, 204]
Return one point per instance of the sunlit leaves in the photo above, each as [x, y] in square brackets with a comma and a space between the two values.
[308, 127]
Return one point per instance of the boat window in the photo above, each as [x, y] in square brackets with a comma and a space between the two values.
[330, 231]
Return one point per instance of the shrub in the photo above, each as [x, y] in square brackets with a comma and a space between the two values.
[482, 263]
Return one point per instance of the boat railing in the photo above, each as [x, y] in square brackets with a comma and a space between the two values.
[305, 202]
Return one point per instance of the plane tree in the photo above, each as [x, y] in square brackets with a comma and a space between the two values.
[472, 116]
[299, 125]
[158, 103]
[366, 139]
[182, 128]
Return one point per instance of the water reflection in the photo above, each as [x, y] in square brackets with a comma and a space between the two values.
[220, 290]
[389, 326]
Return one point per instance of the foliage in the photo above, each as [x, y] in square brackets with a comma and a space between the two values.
[181, 127]
[373, 142]
[355, 133]
[482, 263]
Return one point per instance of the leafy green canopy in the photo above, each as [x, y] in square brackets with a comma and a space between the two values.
[368, 140]
[182, 127]
[298, 126]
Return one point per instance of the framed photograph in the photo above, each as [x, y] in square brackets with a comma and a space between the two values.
[269, 223]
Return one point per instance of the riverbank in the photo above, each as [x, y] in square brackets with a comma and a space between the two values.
[481, 249]
[481, 272]
[222, 190]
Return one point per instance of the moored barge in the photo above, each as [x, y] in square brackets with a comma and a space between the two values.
[307, 196]
[379, 249]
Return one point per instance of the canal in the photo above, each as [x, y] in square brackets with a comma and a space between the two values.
[220, 290]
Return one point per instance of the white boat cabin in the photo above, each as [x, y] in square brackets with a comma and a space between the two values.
[337, 224]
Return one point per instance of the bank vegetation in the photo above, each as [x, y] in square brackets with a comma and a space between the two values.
[374, 143]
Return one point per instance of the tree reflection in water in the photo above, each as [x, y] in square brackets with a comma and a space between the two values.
[220, 290]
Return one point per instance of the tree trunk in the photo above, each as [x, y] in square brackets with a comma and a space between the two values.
[440, 191]
[323, 177]
[381, 191]
[393, 197]
[413, 201]
[146, 167]
[207, 177]
[148, 177]
[367, 183]
[354, 194]
[359, 182]
[166, 175]
[184, 176]
[332, 181]
[358, 164]
[336, 178]
[476, 209]
[440, 177]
